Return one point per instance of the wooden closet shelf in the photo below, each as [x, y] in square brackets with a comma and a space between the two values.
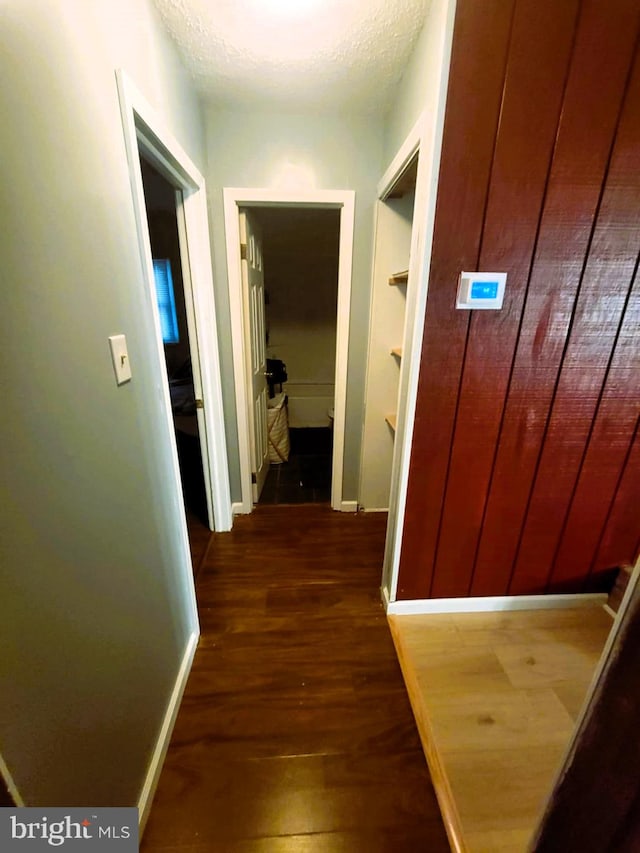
[399, 278]
[392, 420]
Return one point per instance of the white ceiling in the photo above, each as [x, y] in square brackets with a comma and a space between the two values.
[300, 54]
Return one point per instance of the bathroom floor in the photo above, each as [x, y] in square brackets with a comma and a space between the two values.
[306, 477]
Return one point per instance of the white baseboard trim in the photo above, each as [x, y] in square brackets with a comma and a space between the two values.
[5, 774]
[384, 594]
[348, 506]
[494, 603]
[162, 744]
[237, 508]
[375, 509]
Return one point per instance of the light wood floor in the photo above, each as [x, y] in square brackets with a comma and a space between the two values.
[500, 693]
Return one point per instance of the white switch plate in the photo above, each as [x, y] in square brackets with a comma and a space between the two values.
[481, 290]
[120, 358]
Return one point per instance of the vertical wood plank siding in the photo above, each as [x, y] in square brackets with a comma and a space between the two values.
[524, 472]
[473, 112]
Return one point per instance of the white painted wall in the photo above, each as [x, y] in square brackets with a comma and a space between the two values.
[95, 606]
[388, 313]
[420, 78]
[293, 150]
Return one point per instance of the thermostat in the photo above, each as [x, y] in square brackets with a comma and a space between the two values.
[481, 290]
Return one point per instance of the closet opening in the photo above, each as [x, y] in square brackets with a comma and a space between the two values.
[394, 237]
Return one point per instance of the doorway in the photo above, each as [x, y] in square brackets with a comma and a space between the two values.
[170, 269]
[300, 258]
[146, 137]
[341, 203]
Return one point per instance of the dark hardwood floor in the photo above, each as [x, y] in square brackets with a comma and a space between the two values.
[199, 540]
[295, 733]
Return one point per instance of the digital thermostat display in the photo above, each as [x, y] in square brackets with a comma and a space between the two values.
[484, 289]
[481, 290]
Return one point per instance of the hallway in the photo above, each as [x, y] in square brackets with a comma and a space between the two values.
[295, 732]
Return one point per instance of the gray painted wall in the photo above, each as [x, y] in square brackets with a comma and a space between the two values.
[268, 149]
[94, 614]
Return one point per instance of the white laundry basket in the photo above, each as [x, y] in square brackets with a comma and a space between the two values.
[278, 429]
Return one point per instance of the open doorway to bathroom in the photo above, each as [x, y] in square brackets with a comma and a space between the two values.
[244, 257]
[300, 250]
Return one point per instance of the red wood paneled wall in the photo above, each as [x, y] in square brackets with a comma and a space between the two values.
[525, 465]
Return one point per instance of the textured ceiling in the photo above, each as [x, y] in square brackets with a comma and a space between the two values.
[342, 54]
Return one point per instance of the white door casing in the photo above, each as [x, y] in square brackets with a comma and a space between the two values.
[194, 352]
[388, 314]
[425, 136]
[145, 132]
[255, 336]
[344, 200]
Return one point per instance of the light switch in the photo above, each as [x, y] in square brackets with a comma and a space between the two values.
[120, 358]
[481, 290]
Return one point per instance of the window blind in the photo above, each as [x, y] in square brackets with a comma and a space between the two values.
[166, 300]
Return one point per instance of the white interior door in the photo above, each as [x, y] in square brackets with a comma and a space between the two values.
[194, 350]
[256, 350]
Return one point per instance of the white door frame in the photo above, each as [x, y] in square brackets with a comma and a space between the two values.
[343, 200]
[426, 138]
[410, 363]
[145, 132]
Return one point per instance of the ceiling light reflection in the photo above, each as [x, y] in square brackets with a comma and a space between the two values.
[290, 8]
